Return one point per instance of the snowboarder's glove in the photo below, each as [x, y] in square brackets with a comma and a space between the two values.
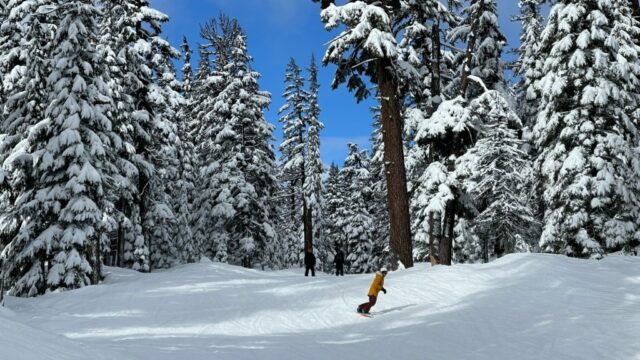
[384, 290]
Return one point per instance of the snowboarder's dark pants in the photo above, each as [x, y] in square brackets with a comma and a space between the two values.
[368, 305]
[339, 270]
[313, 271]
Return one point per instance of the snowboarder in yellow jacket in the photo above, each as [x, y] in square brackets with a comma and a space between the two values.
[376, 287]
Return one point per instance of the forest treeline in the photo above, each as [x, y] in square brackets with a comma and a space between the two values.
[111, 156]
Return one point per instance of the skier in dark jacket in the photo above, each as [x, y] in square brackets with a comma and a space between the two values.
[339, 261]
[310, 263]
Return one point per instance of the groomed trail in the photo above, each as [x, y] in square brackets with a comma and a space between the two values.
[525, 306]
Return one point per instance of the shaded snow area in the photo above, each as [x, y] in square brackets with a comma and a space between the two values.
[519, 307]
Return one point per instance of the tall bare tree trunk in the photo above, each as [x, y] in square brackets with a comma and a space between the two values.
[435, 219]
[635, 6]
[446, 245]
[397, 196]
[308, 226]
[306, 211]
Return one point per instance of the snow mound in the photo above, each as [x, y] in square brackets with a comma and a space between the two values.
[22, 342]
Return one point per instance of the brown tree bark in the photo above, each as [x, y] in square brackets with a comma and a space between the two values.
[635, 6]
[446, 246]
[435, 220]
[397, 196]
[308, 227]
[435, 234]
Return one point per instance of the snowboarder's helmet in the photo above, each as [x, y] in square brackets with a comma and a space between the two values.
[384, 270]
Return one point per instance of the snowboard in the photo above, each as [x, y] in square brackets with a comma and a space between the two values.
[364, 315]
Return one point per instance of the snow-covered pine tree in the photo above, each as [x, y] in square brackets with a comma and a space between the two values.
[131, 35]
[368, 46]
[238, 177]
[481, 32]
[314, 169]
[165, 248]
[438, 194]
[496, 173]
[356, 220]
[65, 207]
[184, 190]
[377, 201]
[335, 201]
[585, 134]
[528, 66]
[24, 65]
[293, 148]
[254, 223]
[120, 190]
[212, 205]
[25, 47]
[423, 49]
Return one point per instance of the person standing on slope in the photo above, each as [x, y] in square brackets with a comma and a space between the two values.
[309, 263]
[339, 261]
[376, 287]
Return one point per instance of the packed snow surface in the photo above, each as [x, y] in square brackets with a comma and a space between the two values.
[519, 307]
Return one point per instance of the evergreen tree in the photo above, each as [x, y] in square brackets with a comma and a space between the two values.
[529, 63]
[256, 158]
[140, 62]
[25, 65]
[212, 203]
[238, 180]
[334, 199]
[356, 220]
[63, 215]
[377, 202]
[496, 171]
[293, 147]
[585, 132]
[161, 220]
[183, 196]
[312, 189]
[480, 30]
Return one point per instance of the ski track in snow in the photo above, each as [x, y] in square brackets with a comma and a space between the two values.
[519, 307]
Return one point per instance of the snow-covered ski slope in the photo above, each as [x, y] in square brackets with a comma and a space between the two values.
[519, 307]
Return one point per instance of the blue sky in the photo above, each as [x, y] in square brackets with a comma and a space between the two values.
[280, 29]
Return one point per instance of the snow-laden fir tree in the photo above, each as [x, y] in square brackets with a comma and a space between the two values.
[293, 148]
[211, 210]
[334, 202]
[424, 48]
[528, 66]
[121, 190]
[256, 157]
[585, 133]
[496, 174]
[314, 168]
[438, 194]
[485, 41]
[239, 176]
[63, 212]
[377, 202]
[356, 220]
[134, 39]
[24, 67]
[161, 221]
[185, 183]
[421, 47]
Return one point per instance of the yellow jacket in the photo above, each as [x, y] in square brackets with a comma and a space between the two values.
[377, 285]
